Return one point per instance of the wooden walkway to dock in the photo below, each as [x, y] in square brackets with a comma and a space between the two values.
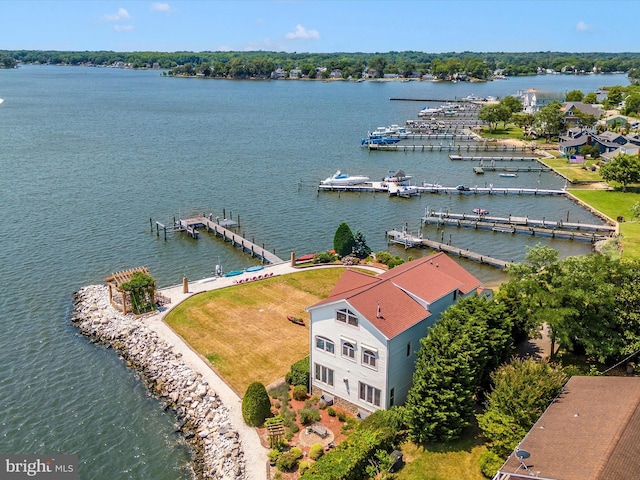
[412, 241]
[217, 227]
[522, 225]
[504, 168]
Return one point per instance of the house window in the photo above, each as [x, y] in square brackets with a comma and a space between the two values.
[325, 344]
[370, 394]
[345, 315]
[392, 397]
[349, 350]
[455, 295]
[323, 374]
[408, 349]
[369, 358]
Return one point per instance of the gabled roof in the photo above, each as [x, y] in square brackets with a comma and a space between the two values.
[402, 293]
[590, 432]
[583, 107]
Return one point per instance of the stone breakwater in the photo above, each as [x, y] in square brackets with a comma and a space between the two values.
[202, 418]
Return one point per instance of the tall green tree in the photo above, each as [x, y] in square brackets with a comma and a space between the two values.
[360, 247]
[512, 103]
[549, 120]
[522, 391]
[494, 114]
[623, 169]
[574, 96]
[343, 240]
[256, 405]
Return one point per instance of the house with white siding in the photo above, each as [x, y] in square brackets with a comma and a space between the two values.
[365, 335]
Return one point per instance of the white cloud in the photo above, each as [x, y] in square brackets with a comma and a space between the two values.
[116, 17]
[161, 7]
[582, 26]
[302, 33]
[123, 28]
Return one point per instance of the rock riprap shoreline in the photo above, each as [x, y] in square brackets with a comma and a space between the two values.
[202, 418]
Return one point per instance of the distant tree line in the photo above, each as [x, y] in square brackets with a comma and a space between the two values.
[407, 63]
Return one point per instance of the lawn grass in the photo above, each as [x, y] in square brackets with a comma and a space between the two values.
[243, 330]
[574, 172]
[613, 204]
[444, 461]
[510, 131]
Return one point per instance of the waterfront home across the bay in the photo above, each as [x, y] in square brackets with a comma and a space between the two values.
[365, 335]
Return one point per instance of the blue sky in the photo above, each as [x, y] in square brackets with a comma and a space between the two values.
[322, 25]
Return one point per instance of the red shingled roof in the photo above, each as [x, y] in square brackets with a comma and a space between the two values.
[402, 292]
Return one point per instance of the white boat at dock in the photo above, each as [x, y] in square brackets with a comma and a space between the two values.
[426, 111]
[404, 191]
[397, 176]
[343, 179]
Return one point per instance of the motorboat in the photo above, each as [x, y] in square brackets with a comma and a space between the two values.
[397, 176]
[407, 191]
[374, 140]
[426, 111]
[342, 179]
[509, 175]
[480, 211]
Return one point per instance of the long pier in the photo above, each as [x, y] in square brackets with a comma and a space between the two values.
[492, 159]
[449, 148]
[504, 168]
[191, 226]
[523, 225]
[433, 188]
[412, 241]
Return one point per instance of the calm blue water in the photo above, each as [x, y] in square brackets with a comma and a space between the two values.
[89, 155]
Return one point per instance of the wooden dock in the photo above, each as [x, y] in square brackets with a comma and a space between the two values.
[431, 188]
[412, 241]
[523, 225]
[448, 148]
[219, 228]
[481, 160]
[504, 168]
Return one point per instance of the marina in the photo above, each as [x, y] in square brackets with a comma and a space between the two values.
[449, 148]
[436, 188]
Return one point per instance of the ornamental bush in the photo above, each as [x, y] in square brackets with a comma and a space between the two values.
[299, 373]
[288, 461]
[309, 415]
[316, 451]
[299, 392]
[256, 406]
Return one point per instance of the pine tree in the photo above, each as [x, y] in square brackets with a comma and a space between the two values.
[343, 241]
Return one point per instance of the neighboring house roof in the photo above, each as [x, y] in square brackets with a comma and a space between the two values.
[626, 149]
[613, 137]
[591, 431]
[569, 142]
[583, 107]
[403, 293]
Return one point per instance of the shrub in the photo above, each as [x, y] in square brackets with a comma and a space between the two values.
[299, 392]
[331, 411]
[343, 240]
[350, 260]
[274, 455]
[316, 451]
[322, 404]
[303, 466]
[299, 373]
[256, 405]
[342, 417]
[489, 463]
[309, 415]
[324, 257]
[288, 461]
[395, 261]
[383, 257]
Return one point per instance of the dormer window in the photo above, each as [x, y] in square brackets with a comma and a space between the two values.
[345, 315]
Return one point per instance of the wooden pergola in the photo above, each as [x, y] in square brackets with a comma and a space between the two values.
[113, 283]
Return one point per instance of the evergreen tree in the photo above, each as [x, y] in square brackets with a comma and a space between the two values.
[360, 247]
[256, 405]
[343, 240]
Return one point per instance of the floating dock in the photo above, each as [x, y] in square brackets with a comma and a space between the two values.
[522, 225]
[412, 241]
[503, 168]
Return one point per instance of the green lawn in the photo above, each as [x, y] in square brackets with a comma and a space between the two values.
[614, 204]
[574, 172]
[444, 461]
[501, 133]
